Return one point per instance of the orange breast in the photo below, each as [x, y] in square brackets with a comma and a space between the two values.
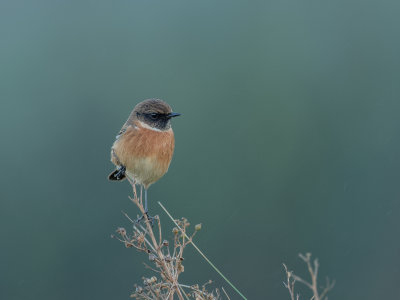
[145, 153]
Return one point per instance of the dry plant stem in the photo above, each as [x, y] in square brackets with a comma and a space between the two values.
[328, 286]
[290, 283]
[157, 246]
[313, 285]
[226, 294]
[138, 231]
[313, 273]
[201, 253]
[145, 239]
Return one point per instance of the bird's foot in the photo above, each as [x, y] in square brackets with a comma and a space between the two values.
[146, 217]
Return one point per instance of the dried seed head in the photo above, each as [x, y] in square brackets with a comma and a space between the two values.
[168, 258]
[175, 230]
[197, 227]
[149, 281]
[152, 257]
[165, 243]
[121, 231]
[140, 238]
[128, 244]
[181, 268]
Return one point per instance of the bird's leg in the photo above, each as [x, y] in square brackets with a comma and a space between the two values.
[141, 193]
[145, 201]
[146, 210]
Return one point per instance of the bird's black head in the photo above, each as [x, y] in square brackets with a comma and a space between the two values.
[154, 113]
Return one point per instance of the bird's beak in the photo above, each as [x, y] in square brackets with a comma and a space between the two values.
[173, 114]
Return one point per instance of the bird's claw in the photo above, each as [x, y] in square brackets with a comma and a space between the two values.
[148, 217]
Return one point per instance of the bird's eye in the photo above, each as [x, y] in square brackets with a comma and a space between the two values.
[153, 116]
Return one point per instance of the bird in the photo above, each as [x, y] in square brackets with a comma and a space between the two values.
[143, 148]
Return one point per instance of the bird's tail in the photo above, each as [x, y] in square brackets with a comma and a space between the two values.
[117, 175]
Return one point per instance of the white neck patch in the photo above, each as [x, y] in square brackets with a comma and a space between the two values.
[144, 125]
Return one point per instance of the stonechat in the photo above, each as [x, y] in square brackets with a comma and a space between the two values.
[144, 146]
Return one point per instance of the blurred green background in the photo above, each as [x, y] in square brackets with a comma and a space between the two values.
[288, 143]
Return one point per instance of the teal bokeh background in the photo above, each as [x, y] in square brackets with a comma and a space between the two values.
[289, 141]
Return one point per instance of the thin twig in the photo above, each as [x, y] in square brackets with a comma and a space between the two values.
[313, 268]
[226, 294]
[144, 238]
[202, 254]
